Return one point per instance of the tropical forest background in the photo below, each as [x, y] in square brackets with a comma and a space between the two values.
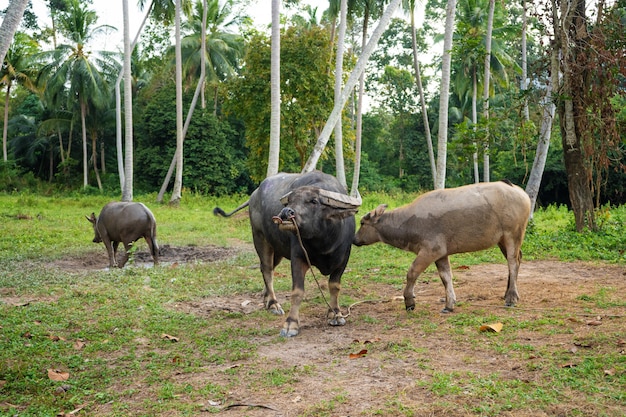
[61, 126]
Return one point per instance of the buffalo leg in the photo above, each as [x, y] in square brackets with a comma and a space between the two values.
[513, 258]
[445, 273]
[154, 249]
[268, 261]
[127, 247]
[111, 249]
[417, 267]
[291, 327]
[334, 286]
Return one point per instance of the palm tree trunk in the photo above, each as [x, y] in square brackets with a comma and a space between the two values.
[5, 128]
[178, 179]
[474, 123]
[418, 78]
[94, 159]
[350, 84]
[11, 22]
[486, 89]
[83, 112]
[127, 192]
[340, 170]
[274, 151]
[442, 139]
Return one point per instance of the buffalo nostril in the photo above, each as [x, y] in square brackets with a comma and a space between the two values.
[287, 213]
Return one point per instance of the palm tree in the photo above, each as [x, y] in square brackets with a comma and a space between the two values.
[11, 22]
[17, 68]
[223, 48]
[178, 179]
[409, 5]
[274, 151]
[80, 71]
[442, 139]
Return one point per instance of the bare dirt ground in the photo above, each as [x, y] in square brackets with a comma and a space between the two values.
[407, 351]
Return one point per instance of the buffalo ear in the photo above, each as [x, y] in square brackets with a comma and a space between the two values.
[378, 211]
[344, 213]
[91, 219]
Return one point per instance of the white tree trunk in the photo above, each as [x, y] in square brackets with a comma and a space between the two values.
[194, 101]
[442, 139]
[83, 112]
[339, 163]
[178, 179]
[11, 22]
[127, 191]
[418, 78]
[274, 151]
[541, 154]
[118, 107]
[474, 122]
[486, 82]
[524, 84]
[350, 84]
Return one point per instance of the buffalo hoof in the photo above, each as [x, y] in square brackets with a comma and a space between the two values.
[410, 308]
[447, 310]
[278, 311]
[289, 333]
[337, 321]
[509, 304]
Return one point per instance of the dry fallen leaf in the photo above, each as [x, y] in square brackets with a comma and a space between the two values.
[594, 323]
[609, 372]
[569, 365]
[493, 327]
[79, 344]
[362, 353]
[56, 375]
[168, 337]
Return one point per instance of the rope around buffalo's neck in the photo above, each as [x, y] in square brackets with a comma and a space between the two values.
[308, 261]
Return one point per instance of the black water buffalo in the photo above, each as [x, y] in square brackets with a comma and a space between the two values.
[124, 222]
[315, 206]
[455, 220]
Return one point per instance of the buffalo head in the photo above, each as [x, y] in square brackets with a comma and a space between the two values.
[309, 209]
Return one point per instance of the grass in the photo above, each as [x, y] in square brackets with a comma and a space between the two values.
[107, 328]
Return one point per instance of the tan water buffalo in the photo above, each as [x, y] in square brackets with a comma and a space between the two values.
[124, 222]
[456, 220]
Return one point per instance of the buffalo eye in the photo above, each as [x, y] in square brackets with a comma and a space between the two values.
[314, 201]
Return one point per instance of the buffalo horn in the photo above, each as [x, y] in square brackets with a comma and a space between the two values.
[332, 199]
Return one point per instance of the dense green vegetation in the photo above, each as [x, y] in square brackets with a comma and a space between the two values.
[226, 145]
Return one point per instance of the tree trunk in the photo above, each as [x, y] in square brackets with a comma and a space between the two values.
[5, 128]
[350, 84]
[418, 78]
[274, 151]
[83, 112]
[178, 179]
[339, 163]
[9, 26]
[127, 191]
[94, 159]
[194, 101]
[572, 113]
[486, 78]
[475, 122]
[541, 154]
[442, 139]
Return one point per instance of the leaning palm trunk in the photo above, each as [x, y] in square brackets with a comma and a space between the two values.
[194, 101]
[418, 78]
[11, 22]
[350, 84]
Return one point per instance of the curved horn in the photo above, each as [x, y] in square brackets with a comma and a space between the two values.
[340, 200]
